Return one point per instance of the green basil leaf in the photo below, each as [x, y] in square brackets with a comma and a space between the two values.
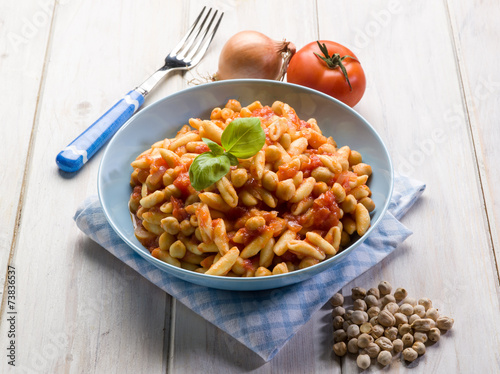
[243, 137]
[214, 147]
[207, 169]
[232, 158]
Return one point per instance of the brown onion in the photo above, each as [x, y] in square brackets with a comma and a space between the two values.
[251, 54]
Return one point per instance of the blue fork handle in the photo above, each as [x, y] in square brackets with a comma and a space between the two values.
[80, 150]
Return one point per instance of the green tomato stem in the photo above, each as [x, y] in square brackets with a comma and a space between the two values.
[334, 61]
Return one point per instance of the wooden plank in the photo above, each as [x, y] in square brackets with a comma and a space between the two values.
[80, 309]
[407, 53]
[198, 344]
[24, 34]
[475, 33]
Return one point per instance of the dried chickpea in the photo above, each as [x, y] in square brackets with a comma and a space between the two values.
[366, 328]
[338, 311]
[420, 336]
[348, 314]
[434, 334]
[340, 349]
[432, 314]
[385, 288]
[373, 311]
[425, 302]
[359, 304]
[371, 301]
[387, 299]
[401, 319]
[372, 350]
[385, 318]
[370, 332]
[419, 310]
[404, 329]
[337, 300]
[392, 307]
[352, 345]
[364, 340]
[397, 345]
[358, 317]
[407, 340]
[358, 293]
[413, 318]
[391, 333]
[374, 292]
[337, 322]
[353, 331]
[423, 324]
[444, 323]
[406, 309]
[410, 300]
[346, 325]
[377, 331]
[384, 343]
[364, 361]
[410, 355]
[339, 335]
[400, 294]
[384, 358]
[419, 347]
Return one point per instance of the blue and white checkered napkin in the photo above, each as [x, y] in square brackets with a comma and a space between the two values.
[263, 320]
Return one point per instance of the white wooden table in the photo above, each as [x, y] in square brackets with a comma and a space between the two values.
[433, 94]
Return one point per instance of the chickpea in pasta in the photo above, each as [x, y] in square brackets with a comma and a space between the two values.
[298, 201]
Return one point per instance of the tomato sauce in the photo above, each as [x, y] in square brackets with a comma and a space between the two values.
[265, 114]
[326, 211]
[183, 183]
[251, 264]
[276, 225]
[236, 213]
[136, 194]
[157, 164]
[286, 172]
[293, 225]
[304, 125]
[310, 165]
[289, 257]
[344, 178]
[325, 214]
[156, 177]
[178, 209]
[201, 148]
[142, 175]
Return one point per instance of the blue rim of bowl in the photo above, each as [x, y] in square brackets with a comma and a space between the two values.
[295, 273]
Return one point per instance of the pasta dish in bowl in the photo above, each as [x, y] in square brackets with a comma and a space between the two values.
[204, 210]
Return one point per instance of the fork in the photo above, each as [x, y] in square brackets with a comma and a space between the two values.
[184, 56]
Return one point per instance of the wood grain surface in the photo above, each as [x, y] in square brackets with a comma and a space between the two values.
[432, 94]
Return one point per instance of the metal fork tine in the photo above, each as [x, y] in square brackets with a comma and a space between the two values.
[199, 36]
[207, 39]
[192, 51]
[189, 43]
[178, 47]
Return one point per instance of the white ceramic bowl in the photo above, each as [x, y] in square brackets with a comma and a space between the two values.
[165, 117]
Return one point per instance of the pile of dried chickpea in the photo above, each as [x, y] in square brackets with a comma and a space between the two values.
[381, 324]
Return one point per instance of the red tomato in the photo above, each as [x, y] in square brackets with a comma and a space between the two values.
[324, 72]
